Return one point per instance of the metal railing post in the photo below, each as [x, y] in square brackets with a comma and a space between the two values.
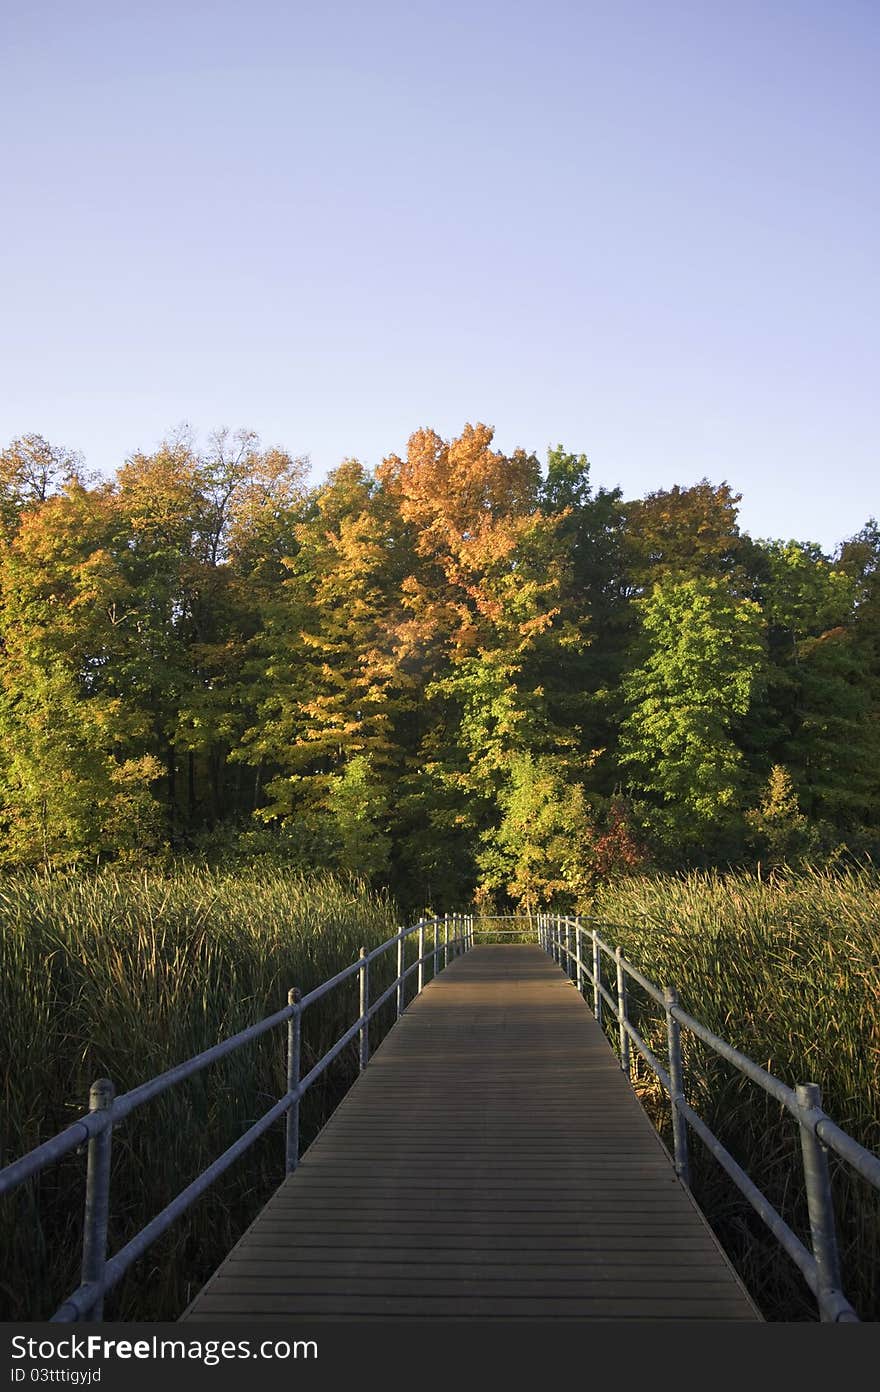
[569, 967]
[97, 1210]
[820, 1203]
[446, 940]
[621, 1011]
[436, 946]
[401, 942]
[364, 1032]
[676, 1078]
[421, 956]
[579, 962]
[597, 976]
[294, 1044]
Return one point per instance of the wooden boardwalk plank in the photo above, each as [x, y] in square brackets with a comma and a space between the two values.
[491, 1162]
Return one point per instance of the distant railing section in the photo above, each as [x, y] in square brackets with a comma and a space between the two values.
[581, 951]
[449, 937]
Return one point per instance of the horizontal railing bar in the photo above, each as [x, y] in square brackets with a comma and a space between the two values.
[863, 1160]
[759, 1075]
[628, 967]
[357, 966]
[776, 1088]
[633, 1033]
[92, 1123]
[380, 1000]
[505, 932]
[332, 1053]
[82, 1130]
[799, 1254]
[652, 990]
[145, 1092]
[650, 1058]
[606, 947]
[611, 1002]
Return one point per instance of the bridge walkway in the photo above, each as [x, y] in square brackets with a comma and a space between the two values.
[492, 1161]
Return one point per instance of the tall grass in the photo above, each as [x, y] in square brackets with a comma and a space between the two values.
[787, 970]
[124, 975]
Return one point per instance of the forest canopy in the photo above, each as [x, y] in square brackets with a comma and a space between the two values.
[462, 673]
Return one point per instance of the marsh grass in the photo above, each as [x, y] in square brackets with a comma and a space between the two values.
[788, 971]
[124, 975]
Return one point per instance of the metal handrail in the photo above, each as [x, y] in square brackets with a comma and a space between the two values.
[95, 1127]
[820, 1266]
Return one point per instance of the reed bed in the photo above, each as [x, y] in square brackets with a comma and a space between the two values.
[787, 970]
[123, 975]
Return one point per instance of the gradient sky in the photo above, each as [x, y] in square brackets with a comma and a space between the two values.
[646, 230]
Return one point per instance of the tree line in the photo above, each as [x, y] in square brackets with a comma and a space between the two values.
[460, 672]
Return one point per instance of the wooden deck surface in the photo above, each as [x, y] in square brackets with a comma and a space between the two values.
[491, 1161]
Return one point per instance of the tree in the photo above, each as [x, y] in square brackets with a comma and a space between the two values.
[330, 689]
[780, 833]
[820, 718]
[683, 533]
[32, 470]
[541, 850]
[579, 661]
[705, 659]
[75, 764]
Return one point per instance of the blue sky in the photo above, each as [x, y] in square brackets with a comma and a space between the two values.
[648, 231]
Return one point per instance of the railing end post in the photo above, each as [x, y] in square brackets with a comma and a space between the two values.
[97, 1207]
[621, 1011]
[294, 1037]
[364, 981]
[676, 1080]
[101, 1095]
[820, 1206]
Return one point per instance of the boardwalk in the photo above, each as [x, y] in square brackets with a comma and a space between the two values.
[492, 1161]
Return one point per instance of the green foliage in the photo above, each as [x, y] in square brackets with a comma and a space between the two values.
[705, 657]
[781, 833]
[682, 532]
[381, 670]
[541, 850]
[803, 593]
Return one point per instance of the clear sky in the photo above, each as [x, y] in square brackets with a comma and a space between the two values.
[647, 230]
